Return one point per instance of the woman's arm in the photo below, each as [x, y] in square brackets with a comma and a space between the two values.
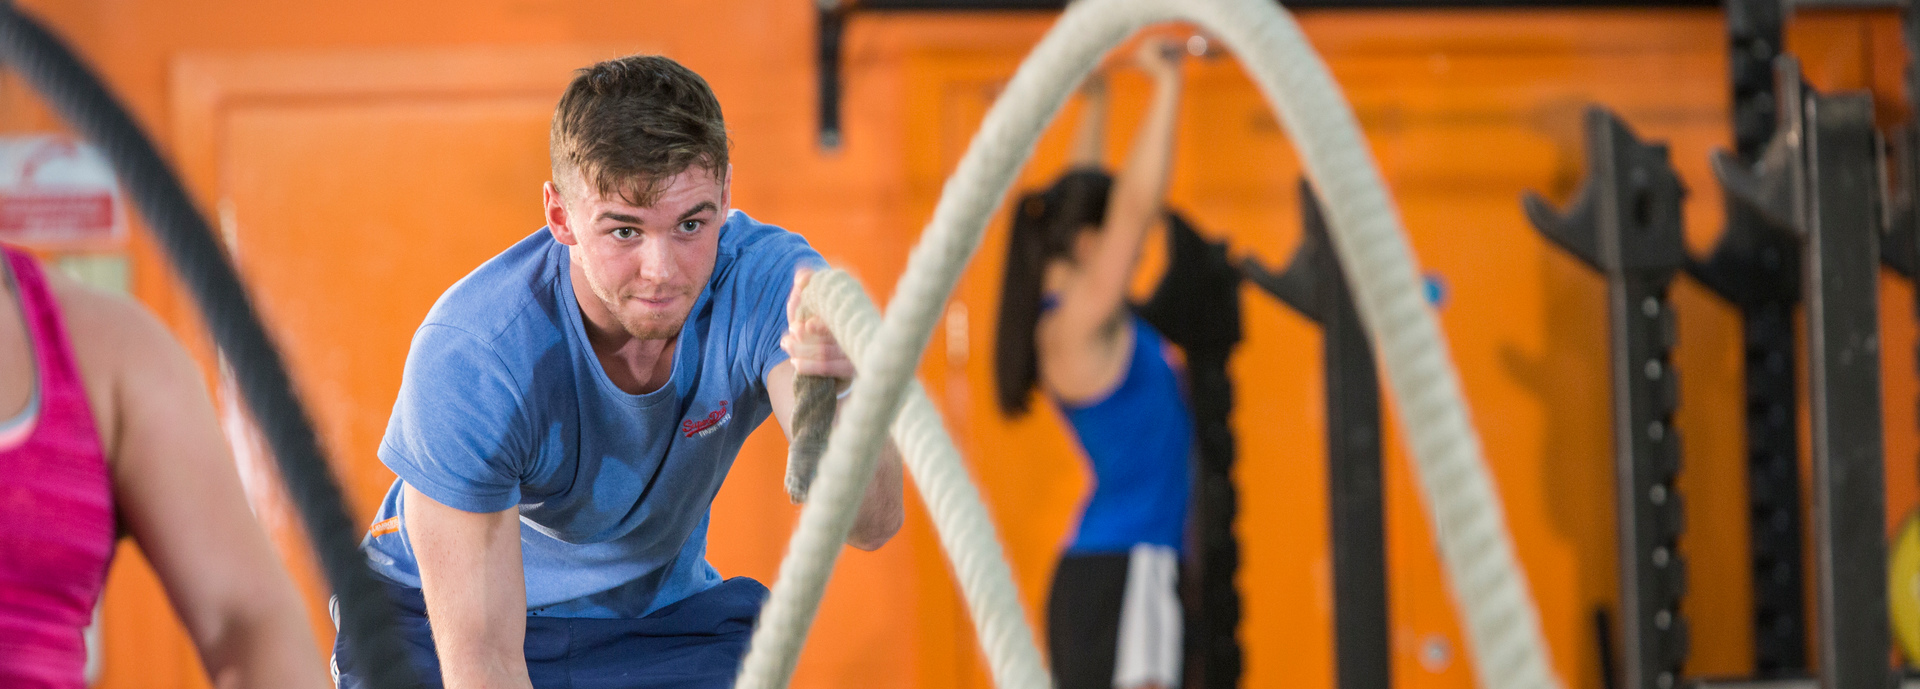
[1090, 138]
[177, 493]
[1133, 206]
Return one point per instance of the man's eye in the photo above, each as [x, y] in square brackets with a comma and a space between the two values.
[690, 227]
[625, 233]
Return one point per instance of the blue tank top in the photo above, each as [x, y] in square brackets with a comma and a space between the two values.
[1139, 440]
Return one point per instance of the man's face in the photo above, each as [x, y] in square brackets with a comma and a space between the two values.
[644, 266]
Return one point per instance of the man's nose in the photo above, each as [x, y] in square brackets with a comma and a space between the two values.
[656, 260]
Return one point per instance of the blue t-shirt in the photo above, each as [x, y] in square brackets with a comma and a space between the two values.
[504, 404]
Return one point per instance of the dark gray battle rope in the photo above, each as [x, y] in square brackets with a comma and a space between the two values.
[46, 62]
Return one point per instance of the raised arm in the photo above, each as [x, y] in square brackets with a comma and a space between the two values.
[177, 493]
[475, 587]
[1090, 138]
[1135, 203]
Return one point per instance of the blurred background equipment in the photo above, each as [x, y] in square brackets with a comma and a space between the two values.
[1469, 522]
[1314, 285]
[1625, 223]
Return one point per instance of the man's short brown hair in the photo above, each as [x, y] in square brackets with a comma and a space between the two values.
[627, 125]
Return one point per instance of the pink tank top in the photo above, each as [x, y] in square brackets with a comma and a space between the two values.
[56, 508]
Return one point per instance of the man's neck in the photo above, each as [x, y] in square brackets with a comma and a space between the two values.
[636, 366]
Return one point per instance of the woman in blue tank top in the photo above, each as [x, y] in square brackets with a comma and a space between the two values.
[1114, 616]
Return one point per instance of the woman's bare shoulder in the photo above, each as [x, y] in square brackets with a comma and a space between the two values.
[120, 347]
[108, 327]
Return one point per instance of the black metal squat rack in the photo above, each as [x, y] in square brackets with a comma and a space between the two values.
[1804, 213]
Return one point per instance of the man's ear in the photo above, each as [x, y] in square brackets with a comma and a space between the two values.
[726, 192]
[555, 207]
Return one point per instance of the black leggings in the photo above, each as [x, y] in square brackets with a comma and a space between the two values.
[1083, 619]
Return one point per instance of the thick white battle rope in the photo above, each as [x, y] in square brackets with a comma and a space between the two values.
[1469, 524]
[959, 516]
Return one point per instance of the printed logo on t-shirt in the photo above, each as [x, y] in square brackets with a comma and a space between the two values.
[701, 427]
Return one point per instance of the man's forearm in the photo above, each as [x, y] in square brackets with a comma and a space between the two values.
[882, 508]
[480, 645]
[472, 580]
[480, 655]
[491, 671]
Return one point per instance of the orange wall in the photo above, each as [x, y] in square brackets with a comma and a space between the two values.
[361, 156]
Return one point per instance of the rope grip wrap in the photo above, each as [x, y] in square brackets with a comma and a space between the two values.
[814, 404]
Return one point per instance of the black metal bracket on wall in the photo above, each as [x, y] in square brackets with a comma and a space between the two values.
[1819, 178]
[829, 26]
[1314, 285]
[1625, 223]
[1756, 266]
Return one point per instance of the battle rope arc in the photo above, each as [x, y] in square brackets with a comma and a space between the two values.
[72, 90]
[1468, 520]
[959, 515]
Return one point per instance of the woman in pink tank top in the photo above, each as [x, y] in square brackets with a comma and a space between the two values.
[106, 428]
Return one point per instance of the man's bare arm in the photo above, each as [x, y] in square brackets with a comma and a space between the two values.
[882, 509]
[475, 586]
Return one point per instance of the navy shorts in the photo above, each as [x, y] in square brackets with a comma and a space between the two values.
[696, 643]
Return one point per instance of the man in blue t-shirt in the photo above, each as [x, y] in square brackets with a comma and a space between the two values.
[570, 408]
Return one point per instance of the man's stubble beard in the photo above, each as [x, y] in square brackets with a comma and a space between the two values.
[650, 329]
[644, 328]
[639, 328]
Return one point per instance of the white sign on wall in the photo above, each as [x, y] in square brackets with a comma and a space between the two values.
[55, 190]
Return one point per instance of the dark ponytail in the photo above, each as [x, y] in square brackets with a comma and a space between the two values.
[1045, 224]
